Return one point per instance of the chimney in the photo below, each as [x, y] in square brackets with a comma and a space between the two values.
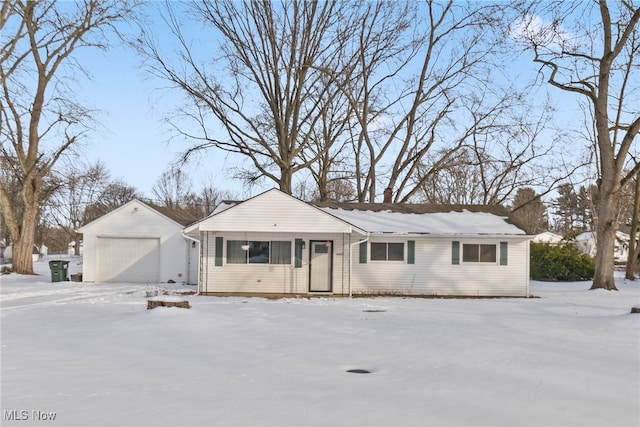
[388, 195]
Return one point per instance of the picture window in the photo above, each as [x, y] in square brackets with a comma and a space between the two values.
[258, 252]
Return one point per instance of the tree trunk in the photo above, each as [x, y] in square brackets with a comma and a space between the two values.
[76, 248]
[23, 243]
[632, 259]
[609, 186]
[286, 177]
[606, 233]
[44, 36]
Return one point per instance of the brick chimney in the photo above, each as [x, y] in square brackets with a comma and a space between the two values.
[388, 195]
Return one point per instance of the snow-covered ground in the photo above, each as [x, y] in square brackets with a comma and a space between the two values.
[93, 355]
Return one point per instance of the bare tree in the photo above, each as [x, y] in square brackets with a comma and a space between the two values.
[457, 46]
[114, 194]
[409, 126]
[12, 186]
[456, 181]
[80, 187]
[592, 49]
[384, 45]
[201, 203]
[329, 145]
[507, 147]
[172, 189]
[39, 118]
[263, 86]
[332, 88]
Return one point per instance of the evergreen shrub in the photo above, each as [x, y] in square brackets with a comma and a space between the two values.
[564, 262]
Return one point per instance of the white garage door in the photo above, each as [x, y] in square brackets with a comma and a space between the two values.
[128, 260]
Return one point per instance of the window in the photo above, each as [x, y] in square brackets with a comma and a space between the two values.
[280, 252]
[478, 253]
[235, 253]
[387, 251]
[258, 252]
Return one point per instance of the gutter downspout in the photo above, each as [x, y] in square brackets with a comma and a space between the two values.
[199, 254]
[528, 274]
[351, 245]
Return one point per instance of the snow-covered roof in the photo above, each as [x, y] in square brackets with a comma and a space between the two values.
[449, 222]
[223, 206]
[547, 237]
[407, 218]
[591, 235]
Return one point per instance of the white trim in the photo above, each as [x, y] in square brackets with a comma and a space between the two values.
[351, 245]
[189, 260]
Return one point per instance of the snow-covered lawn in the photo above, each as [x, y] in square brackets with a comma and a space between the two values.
[93, 355]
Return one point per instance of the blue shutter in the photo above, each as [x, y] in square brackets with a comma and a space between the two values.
[455, 252]
[298, 253]
[411, 252]
[218, 261]
[363, 253]
[503, 253]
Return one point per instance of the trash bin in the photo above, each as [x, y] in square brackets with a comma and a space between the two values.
[58, 270]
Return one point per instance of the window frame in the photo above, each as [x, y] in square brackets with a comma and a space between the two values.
[479, 256]
[386, 252]
[273, 252]
[233, 248]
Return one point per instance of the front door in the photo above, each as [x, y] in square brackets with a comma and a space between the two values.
[321, 266]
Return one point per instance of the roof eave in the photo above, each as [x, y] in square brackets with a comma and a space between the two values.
[448, 235]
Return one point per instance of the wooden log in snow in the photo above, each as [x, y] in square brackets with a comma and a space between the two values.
[167, 302]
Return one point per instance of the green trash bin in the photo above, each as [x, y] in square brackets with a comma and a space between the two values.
[58, 270]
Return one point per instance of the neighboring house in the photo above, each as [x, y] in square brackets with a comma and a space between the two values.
[7, 254]
[547, 237]
[275, 244]
[586, 242]
[71, 248]
[139, 243]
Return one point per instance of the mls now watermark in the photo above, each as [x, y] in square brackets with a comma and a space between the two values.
[24, 415]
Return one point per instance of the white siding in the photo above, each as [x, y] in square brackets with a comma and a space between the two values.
[136, 220]
[274, 212]
[434, 274]
[269, 278]
[275, 216]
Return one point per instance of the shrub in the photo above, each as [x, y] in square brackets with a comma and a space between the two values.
[563, 263]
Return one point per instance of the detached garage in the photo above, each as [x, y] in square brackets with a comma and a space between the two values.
[139, 243]
[134, 259]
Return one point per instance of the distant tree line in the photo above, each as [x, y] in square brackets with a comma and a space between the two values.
[80, 193]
